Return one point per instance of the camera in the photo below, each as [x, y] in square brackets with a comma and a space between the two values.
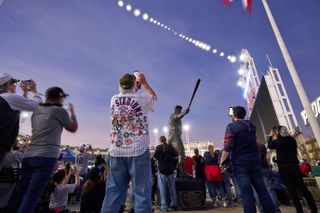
[26, 82]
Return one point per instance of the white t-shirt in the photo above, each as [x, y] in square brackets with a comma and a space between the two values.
[130, 127]
[59, 197]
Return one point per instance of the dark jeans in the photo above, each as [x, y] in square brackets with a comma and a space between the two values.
[3, 153]
[249, 176]
[292, 178]
[35, 175]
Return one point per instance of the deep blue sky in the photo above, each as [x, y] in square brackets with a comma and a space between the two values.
[84, 47]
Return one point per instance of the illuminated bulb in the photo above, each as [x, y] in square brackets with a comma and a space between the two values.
[233, 59]
[175, 33]
[229, 57]
[242, 57]
[158, 23]
[136, 12]
[154, 21]
[120, 3]
[208, 48]
[162, 25]
[128, 7]
[145, 16]
[222, 54]
[214, 51]
[193, 41]
[190, 40]
[239, 83]
[241, 71]
[165, 27]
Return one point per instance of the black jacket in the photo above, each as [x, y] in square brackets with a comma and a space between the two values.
[9, 125]
[286, 149]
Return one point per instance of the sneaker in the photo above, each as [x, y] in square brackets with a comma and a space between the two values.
[224, 203]
[163, 210]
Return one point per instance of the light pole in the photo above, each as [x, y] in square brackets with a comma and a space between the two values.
[294, 75]
[155, 132]
[186, 129]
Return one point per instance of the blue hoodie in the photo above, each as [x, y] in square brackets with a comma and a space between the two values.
[240, 142]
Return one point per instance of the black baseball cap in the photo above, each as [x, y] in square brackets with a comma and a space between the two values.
[127, 81]
[55, 92]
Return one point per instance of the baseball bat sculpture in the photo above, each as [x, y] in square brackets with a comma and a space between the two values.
[194, 92]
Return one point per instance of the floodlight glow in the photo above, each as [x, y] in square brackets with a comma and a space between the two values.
[241, 71]
[186, 127]
[136, 12]
[240, 83]
[128, 7]
[214, 51]
[120, 3]
[165, 129]
[242, 57]
[155, 130]
[222, 54]
[145, 16]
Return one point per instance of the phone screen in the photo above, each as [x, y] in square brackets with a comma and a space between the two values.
[230, 111]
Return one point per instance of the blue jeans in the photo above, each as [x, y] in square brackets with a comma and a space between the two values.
[226, 179]
[163, 182]
[35, 175]
[266, 174]
[122, 170]
[248, 176]
[214, 187]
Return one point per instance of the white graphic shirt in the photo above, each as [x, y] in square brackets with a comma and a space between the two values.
[130, 127]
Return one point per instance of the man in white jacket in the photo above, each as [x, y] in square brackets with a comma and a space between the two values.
[10, 106]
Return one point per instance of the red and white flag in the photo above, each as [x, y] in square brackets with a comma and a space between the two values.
[247, 4]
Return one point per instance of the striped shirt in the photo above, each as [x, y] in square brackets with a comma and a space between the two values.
[130, 127]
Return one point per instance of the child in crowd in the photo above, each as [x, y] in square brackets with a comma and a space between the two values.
[58, 189]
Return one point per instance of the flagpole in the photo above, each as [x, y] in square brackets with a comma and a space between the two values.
[294, 75]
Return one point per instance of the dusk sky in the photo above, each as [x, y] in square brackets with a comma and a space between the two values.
[85, 46]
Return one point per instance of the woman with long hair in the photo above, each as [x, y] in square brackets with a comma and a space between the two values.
[93, 191]
[213, 175]
[167, 162]
[59, 189]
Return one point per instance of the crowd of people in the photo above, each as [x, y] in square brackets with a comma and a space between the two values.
[239, 174]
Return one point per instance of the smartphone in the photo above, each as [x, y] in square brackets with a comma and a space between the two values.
[230, 111]
[26, 83]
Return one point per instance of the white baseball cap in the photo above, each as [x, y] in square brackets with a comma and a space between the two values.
[5, 77]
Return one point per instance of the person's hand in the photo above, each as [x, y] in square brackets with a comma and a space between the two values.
[272, 133]
[71, 109]
[141, 79]
[24, 89]
[33, 86]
